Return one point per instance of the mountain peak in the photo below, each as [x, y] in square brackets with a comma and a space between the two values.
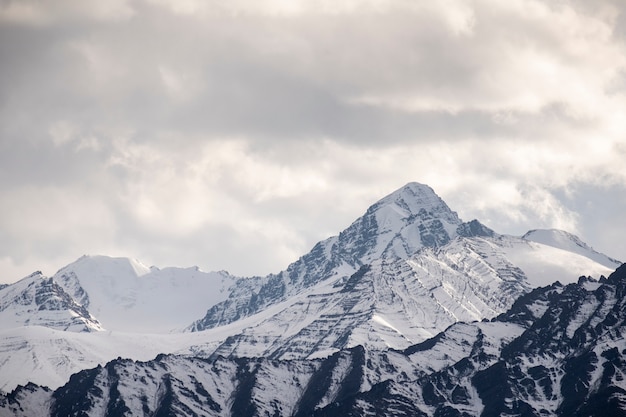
[398, 225]
[39, 300]
[413, 188]
[415, 198]
[107, 265]
[395, 227]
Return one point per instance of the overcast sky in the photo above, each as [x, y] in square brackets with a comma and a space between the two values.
[236, 134]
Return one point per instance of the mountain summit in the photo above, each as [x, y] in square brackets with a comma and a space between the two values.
[395, 227]
[416, 199]
[400, 224]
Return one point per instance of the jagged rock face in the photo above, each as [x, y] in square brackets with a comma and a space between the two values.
[37, 300]
[474, 228]
[557, 352]
[28, 400]
[567, 361]
[70, 282]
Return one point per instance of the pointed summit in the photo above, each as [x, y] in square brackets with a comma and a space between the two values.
[40, 301]
[414, 198]
[400, 224]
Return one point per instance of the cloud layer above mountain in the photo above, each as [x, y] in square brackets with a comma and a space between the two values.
[234, 135]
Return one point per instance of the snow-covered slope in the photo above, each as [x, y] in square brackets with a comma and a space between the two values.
[48, 356]
[393, 304]
[40, 301]
[563, 240]
[556, 352]
[125, 295]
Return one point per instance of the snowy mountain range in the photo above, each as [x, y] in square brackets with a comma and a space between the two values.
[405, 271]
[558, 351]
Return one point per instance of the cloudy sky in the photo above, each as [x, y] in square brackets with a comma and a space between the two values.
[236, 134]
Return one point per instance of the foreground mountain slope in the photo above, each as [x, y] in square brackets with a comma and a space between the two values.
[48, 357]
[567, 362]
[557, 352]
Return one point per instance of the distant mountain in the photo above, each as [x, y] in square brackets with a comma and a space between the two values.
[400, 274]
[558, 351]
[128, 296]
[569, 242]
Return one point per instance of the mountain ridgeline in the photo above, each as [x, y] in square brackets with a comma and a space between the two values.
[558, 351]
[409, 311]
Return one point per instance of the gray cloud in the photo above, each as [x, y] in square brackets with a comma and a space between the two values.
[236, 135]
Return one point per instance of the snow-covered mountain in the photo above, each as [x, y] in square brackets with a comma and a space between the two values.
[399, 302]
[398, 227]
[40, 301]
[395, 227]
[563, 240]
[404, 271]
[126, 295]
[558, 351]
[103, 293]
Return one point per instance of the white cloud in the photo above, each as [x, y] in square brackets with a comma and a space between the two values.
[210, 132]
[44, 13]
[62, 132]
